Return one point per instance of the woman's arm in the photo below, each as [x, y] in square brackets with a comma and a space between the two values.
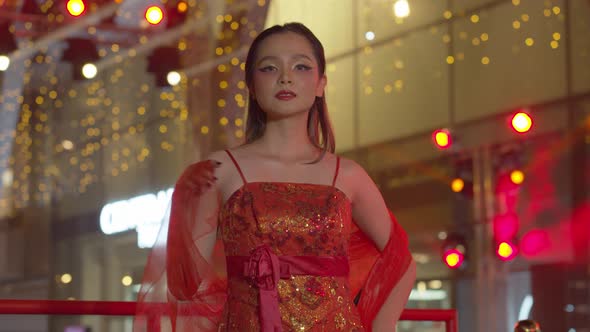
[192, 230]
[391, 310]
[372, 217]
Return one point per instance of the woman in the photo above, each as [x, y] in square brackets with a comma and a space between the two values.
[282, 205]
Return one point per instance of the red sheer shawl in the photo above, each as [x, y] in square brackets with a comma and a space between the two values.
[182, 290]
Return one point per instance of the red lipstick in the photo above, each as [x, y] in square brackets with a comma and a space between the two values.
[285, 95]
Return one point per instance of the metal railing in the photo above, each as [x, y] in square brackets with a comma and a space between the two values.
[112, 308]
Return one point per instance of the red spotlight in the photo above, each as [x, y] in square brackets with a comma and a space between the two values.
[75, 7]
[442, 138]
[154, 15]
[521, 122]
[454, 251]
[506, 250]
[453, 258]
[505, 226]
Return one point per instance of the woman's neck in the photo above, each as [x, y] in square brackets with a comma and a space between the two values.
[287, 140]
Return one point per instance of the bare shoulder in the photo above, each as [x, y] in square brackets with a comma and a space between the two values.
[228, 178]
[351, 170]
[353, 178]
[224, 170]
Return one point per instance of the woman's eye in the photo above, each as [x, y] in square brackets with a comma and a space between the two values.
[303, 67]
[267, 68]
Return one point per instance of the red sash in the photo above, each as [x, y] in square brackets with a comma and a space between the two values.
[264, 269]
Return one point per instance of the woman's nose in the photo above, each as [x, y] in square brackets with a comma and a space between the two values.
[285, 78]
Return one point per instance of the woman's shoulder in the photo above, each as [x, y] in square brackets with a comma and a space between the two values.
[349, 168]
[352, 178]
[225, 156]
[226, 162]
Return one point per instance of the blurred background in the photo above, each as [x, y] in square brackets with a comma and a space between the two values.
[472, 116]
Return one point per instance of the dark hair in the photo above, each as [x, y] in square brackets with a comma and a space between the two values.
[319, 128]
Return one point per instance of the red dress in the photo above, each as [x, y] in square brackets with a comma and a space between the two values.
[293, 261]
[293, 219]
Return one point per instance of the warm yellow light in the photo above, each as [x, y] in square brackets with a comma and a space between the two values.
[67, 144]
[450, 60]
[401, 9]
[154, 15]
[529, 41]
[442, 138]
[453, 259]
[127, 281]
[66, 278]
[89, 70]
[516, 25]
[517, 176]
[75, 7]
[522, 122]
[173, 78]
[505, 250]
[181, 7]
[547, 12]
[474, 18]
[457, 185]
[4, 62]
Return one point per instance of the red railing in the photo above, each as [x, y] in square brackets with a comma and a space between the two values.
[109, 308]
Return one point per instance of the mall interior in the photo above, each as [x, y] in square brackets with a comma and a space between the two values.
[471, 116]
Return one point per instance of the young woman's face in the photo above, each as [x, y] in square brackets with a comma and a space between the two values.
[286, 78]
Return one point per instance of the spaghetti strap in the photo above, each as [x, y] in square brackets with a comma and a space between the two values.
[337, 169]
[237, 166]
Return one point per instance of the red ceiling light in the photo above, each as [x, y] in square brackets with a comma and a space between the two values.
[506, 250]
[521, 122]
[442, 138]
[453, 258]
[454, 251]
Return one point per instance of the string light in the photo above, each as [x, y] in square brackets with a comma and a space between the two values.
[97, 96]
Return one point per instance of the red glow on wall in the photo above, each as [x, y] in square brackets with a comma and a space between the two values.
[534, 242]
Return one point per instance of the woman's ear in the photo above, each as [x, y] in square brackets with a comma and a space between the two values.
[321, 86]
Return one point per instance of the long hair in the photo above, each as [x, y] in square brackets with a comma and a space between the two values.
[319, 128]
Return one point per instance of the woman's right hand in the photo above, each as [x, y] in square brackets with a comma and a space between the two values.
[197, 177]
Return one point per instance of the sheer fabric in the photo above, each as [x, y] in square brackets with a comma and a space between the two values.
[186, 288]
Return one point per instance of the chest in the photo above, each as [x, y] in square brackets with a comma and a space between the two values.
[290, 217]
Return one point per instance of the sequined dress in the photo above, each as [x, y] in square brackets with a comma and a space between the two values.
[293, 219]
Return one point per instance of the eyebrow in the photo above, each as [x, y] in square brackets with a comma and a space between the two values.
[296, 56]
